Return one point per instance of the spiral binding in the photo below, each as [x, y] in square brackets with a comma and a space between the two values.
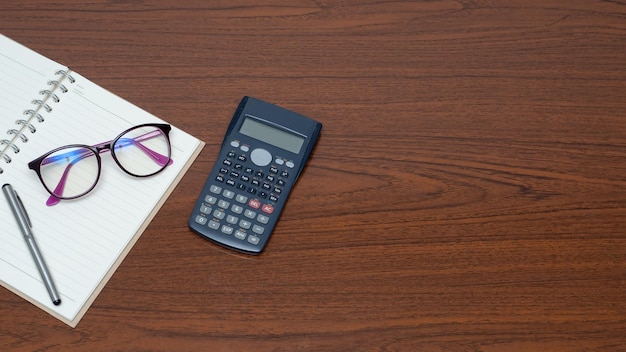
[42, 106]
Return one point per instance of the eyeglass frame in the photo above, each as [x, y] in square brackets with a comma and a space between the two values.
[96, 149]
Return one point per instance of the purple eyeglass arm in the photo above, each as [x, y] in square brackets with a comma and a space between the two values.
[157, 157]
[52, 200]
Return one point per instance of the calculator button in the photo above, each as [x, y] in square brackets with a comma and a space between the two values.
[273, 198]
[218, 214]
[238, 166]
[231, 219]
[290, 164]
[269, 178]
[245, 178]
[215, 189]
[240, 235]
[210, 199]
[241, 187]
[228, 194]
[274, 169]
[230, 182]
[254, 240]
[248, 170]
[237, 209]
[242, 158]
[241, 198]
[214, 225]
[234, 144]
[251, 190]
[223, 171]
[245, 224]
[223, 204]
[255, 183]
[254, 203]
[231, 154]
[281, 182]
[258, 229]
[205, 209]
[219, 178]
[227, 229]
[263, 194]
[201, 219]
[277, 190]
[263, 219]
[249, 214]
[266, 186]
[227, 162]
[279, 161]
[267, 208]
[284, 174]
[244, 148]
[261, 157]
[234, 174]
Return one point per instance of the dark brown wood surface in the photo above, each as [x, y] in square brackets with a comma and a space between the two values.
[468, 192]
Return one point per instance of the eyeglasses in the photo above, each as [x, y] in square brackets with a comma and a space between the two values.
[72, 171]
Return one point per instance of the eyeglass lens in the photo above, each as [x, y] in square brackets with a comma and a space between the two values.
[142, 151]
[70, 172]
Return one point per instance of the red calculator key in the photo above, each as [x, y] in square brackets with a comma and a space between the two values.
[267, 208]
[254, 203]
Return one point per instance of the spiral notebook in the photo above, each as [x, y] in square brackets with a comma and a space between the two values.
[44, 105]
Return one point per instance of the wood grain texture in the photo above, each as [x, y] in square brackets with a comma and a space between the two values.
[468, 192]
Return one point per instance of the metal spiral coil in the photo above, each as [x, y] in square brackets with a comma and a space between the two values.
[41, 106]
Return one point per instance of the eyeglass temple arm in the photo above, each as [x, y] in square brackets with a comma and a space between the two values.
[52, 200]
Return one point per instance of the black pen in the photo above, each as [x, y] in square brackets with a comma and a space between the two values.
[24, 223]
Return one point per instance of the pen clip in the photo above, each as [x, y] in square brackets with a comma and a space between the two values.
[23, 209]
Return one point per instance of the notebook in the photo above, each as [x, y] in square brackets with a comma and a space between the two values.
[44, 105]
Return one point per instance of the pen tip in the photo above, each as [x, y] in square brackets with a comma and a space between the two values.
[57, 302]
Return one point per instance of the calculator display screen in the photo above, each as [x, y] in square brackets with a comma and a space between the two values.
[272, 135]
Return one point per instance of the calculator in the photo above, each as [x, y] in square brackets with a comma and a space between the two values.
[263, 153]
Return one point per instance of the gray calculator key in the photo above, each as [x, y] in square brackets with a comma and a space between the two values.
[223, 204]
[210, 199]
[245, 224]
[249, 214]
[219, 214]
[227, 229]
[231, 219]
[205, 210]
[228, 194]
[237, 209]
[254, 240]
[263, 219]
[241, 198]
[201, 219]
[214, 225]
[258, 229]
[240, 234]
[215, 189]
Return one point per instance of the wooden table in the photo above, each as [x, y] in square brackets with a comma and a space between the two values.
[468, 192]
